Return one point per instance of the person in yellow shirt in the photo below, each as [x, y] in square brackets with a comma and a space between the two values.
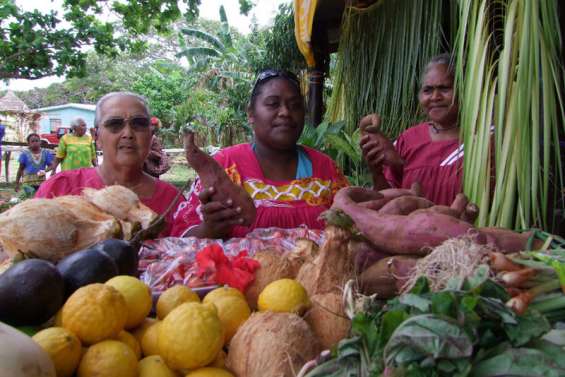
[75, 150]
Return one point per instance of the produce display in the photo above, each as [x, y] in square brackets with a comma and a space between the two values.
[394, 286]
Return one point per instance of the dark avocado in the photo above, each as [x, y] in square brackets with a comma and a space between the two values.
[123, 253]
[31, 292]
[86, 267]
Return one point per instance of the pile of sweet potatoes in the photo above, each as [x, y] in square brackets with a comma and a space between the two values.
[398, 226]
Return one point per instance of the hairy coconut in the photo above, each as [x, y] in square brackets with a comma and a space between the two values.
[274, 266]
[333, 266]
[272, 344]
[327, 318]
[304, 251]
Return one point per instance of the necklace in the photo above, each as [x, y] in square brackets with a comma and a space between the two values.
[437, 129]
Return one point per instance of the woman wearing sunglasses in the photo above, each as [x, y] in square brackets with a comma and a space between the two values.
[124, 135]
[290, 184]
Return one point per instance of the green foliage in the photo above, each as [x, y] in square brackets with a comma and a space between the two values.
[464, 332]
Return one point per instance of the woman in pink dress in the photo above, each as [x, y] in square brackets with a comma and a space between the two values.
[291, 185]
[124, 135]
[430, 152]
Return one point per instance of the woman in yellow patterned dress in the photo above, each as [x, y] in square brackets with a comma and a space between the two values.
[290, 184]
[75, 150]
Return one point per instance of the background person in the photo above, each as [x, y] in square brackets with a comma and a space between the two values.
[75, 150]
[291, 185]
[157, 161]
[124, 135]
[430, 152]
[34, 162]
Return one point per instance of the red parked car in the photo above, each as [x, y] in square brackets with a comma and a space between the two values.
[54, 136]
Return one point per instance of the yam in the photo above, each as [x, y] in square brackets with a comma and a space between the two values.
[327, 318]
[274, 266]
[333, 266]
[387, 276]
[272, 344]
[405, 205]
[211, 174]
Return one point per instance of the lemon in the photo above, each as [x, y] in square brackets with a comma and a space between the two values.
[154, 366]
[149, 340]
[222, 291]
[109, 358]
[210, 372]
[95, 312]
[232, 311]
[140, 330]
[173, 297]
[219, 361]
[137, 296]
[131, 341]
[190, 336]
[63, 348]
[284, 296]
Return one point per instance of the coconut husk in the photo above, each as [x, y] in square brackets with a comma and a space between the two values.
[327, 318]
[274, 266]
[304, 251]
[272, 344]
[332, 267]
[385, 277]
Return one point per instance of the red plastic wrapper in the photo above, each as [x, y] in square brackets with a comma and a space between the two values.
[168, 261]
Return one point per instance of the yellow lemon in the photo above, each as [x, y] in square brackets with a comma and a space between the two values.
[210, 372]
[140, 330]
[137, 296]
[95, 312]
[232, 311]
[173, 297]
[131, 341]
[108, 358]
[284, 296]
[190, 336]
[222, 291]
[154, 366]
[149, 340]
[63, 348]
[219, 361]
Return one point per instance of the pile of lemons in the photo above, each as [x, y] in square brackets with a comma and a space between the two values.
[103, 330]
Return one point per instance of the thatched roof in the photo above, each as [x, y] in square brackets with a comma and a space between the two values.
[11, 103]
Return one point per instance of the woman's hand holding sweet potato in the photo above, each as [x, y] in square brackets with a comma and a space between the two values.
[217, 218]
[377, 149]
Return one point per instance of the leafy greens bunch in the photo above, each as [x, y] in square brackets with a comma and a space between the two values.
[464, 330]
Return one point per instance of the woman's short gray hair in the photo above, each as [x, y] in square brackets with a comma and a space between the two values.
[445, 59]
[78, 121]
[107, 96]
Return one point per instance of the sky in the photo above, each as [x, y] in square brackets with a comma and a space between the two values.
[264, 12]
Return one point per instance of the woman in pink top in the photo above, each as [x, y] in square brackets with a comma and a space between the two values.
[429, 153]
[124, 135]
[290, 184]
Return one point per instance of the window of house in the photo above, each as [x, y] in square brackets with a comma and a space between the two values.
[54, 123]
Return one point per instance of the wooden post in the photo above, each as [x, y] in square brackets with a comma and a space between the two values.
[7, 155]
[316, 96]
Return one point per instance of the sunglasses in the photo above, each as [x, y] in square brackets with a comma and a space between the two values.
[273, 73]
[138, 124]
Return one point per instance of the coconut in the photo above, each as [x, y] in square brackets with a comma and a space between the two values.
[332, 267]
[304, 251]
[272, 344]
[327, 318]
[274, 266]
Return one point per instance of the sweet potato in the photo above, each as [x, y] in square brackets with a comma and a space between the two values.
[405, 205]
[396, 234]
[365, 254]
[370, 125]
[507, 241]
[445, 210]
[211, 174]
[470, 213]
[385, 277]
[459, 203]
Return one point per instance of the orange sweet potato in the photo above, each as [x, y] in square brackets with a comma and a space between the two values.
[211, 174]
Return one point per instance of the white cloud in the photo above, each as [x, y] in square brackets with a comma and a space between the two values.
[264, 12]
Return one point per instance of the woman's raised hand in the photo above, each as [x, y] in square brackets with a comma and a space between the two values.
[218, 218]
[377, 149]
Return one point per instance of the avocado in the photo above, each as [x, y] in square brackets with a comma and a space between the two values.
[31, 292]
[123, 253]
[86, 267]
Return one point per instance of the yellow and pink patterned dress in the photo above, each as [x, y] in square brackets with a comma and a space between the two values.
[283, 204]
